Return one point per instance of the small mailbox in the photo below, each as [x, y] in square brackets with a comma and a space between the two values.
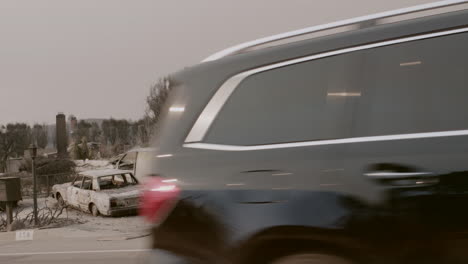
[10, 189]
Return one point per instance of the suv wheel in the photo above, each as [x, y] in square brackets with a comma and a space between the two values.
[311, 258]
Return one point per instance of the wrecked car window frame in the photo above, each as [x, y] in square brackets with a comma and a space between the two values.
[90, 187]
[123, 178]
[78, 179]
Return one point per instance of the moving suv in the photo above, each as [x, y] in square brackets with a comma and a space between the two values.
[346, 148]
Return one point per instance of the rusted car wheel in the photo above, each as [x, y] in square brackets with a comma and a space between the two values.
[94, 210]
[60, 200]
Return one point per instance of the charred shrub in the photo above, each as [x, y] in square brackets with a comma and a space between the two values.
[48, 166]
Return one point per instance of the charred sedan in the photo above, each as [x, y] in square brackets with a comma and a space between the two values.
[100, 192]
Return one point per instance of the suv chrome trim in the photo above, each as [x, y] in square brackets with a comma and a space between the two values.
[327, 142]
[211, 110]
[396, 175]
[342, 23]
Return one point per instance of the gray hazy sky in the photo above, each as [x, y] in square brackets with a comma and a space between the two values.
[98, 58]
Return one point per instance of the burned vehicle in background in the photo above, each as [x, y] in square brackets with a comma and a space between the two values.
[137, 160]
[100, 192]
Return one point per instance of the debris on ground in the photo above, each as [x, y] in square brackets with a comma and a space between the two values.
[72, 222]
[92, 165]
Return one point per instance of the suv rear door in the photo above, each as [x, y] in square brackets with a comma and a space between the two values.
[412, 119]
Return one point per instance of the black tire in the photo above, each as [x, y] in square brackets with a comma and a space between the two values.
[94, 210]
[311, 258]
[60, 200]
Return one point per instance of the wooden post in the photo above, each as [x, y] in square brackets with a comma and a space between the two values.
[9, 213]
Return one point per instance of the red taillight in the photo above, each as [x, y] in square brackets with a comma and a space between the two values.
[158, 198]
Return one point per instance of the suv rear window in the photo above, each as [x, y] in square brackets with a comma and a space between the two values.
[415, 87]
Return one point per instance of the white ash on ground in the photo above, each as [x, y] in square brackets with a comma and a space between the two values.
[92, 165]
[74, 223]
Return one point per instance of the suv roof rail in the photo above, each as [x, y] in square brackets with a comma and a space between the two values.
[363, 20]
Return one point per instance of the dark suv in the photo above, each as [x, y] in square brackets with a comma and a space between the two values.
[345, 148]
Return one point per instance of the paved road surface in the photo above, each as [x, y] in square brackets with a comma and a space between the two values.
[79, 251]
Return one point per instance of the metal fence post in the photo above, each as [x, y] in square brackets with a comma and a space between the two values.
[48, 185]
[36, 221]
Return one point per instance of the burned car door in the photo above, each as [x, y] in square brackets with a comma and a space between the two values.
[73, 190]
[84, 193]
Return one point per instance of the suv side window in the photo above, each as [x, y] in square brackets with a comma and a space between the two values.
[415, 87]
[302, 102]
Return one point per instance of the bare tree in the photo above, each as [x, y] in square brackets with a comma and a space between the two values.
[14, 140]
[95, 133]
[83, 130]
[39, 134]
[140, 131]
[159, 93]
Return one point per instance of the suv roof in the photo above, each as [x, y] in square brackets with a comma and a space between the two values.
[358, 22]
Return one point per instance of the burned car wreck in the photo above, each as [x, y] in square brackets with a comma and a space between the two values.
[100, 192]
